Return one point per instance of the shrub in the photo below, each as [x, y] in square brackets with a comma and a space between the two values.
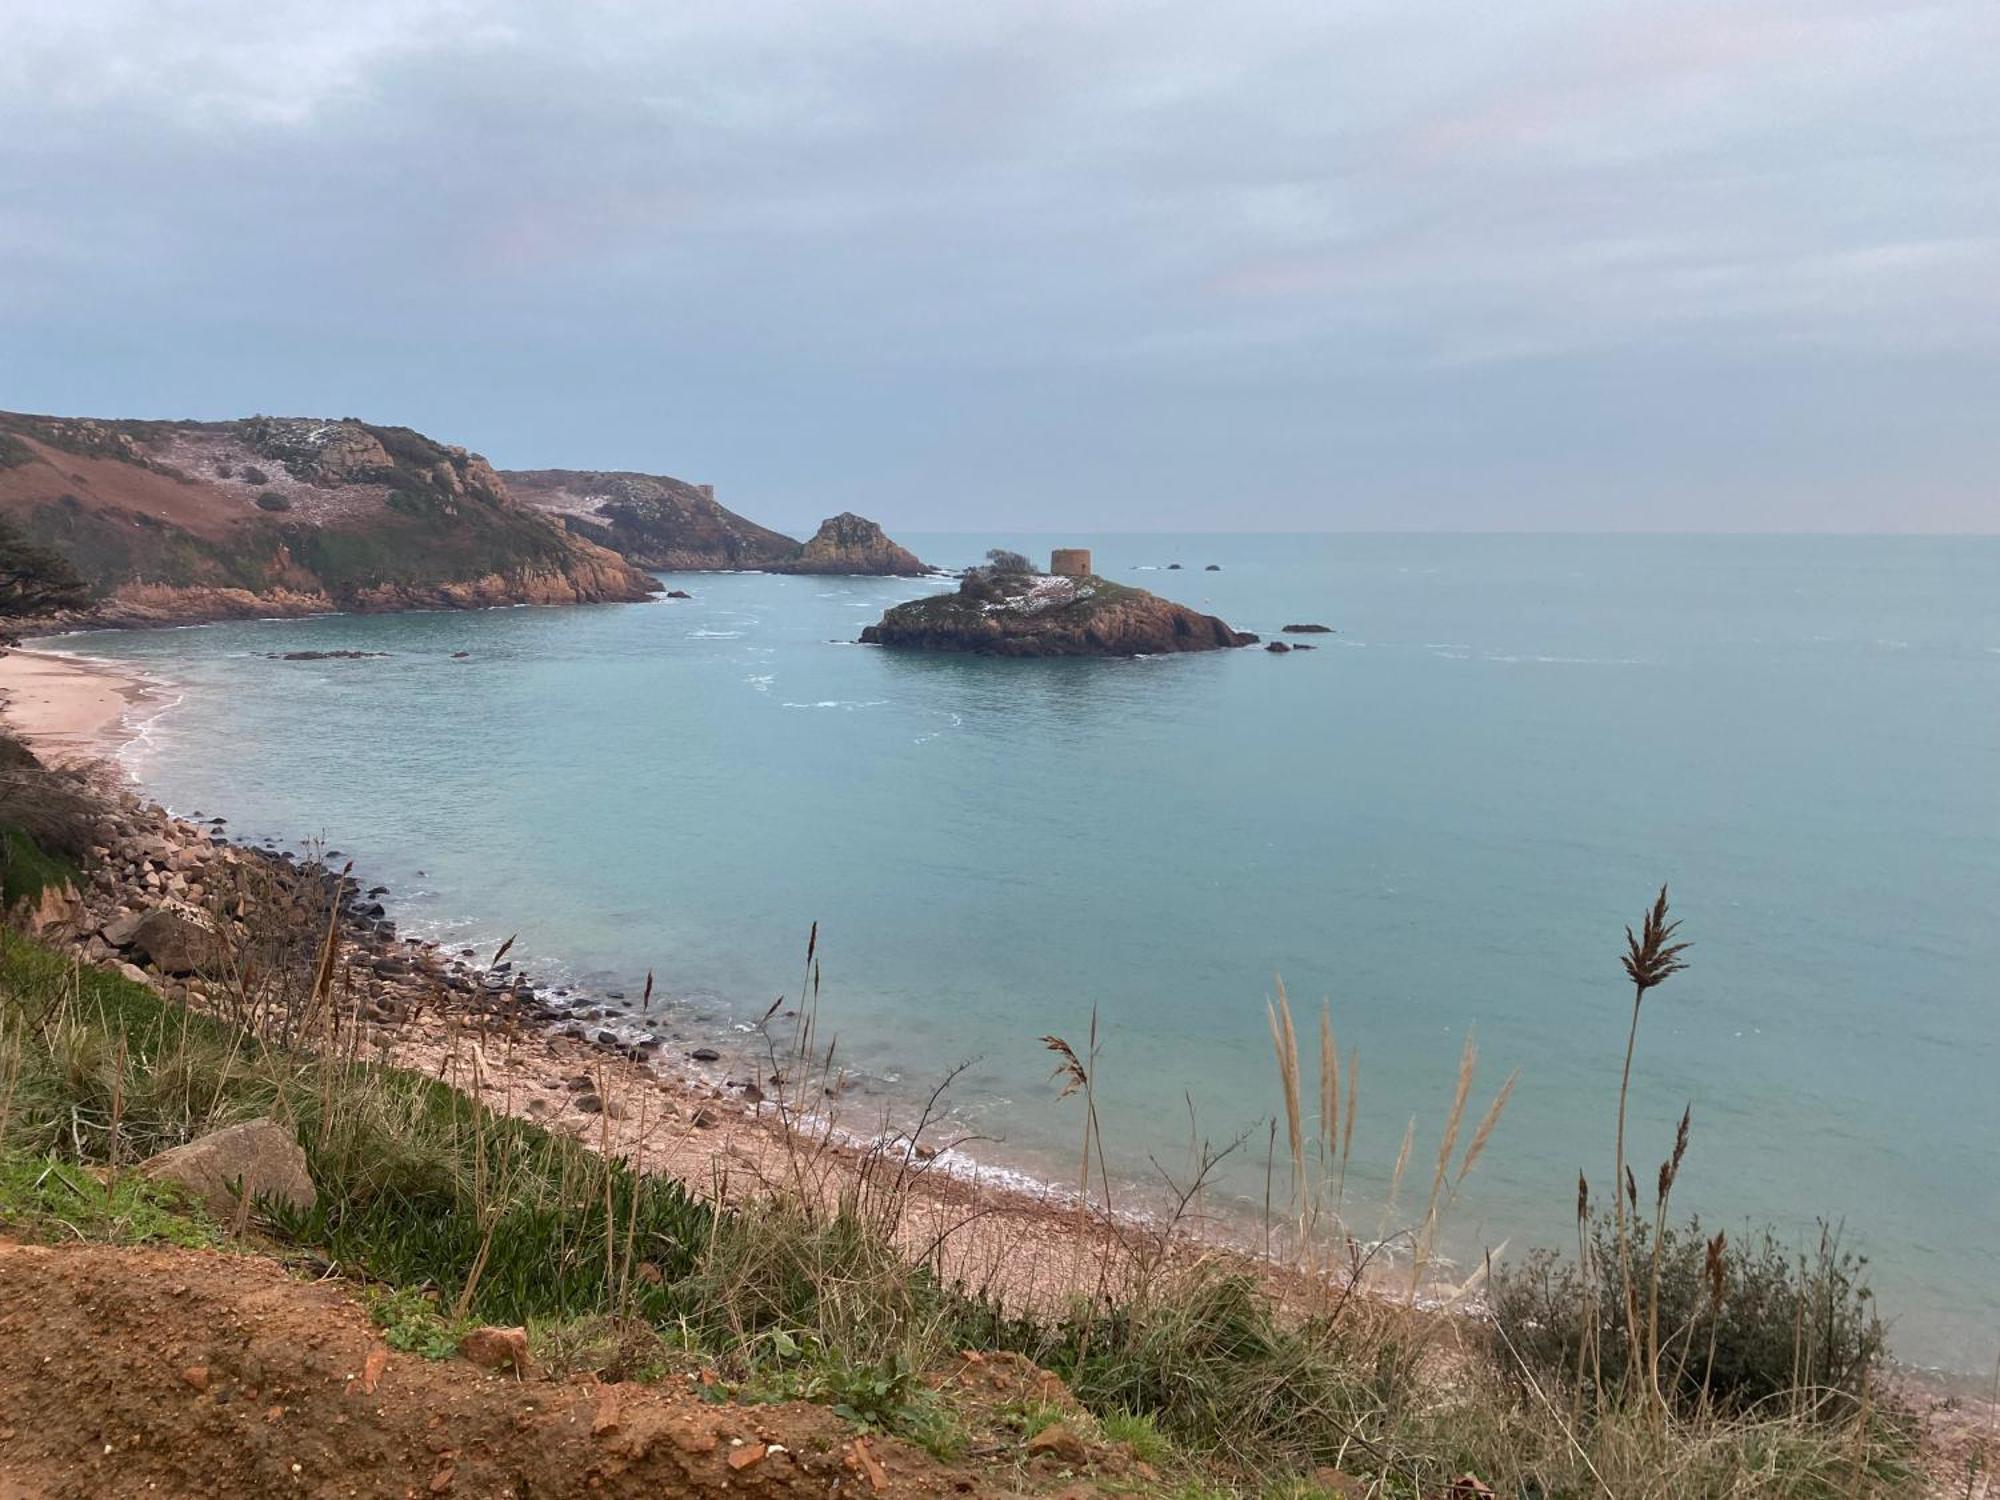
[1741, 1325]
[36, 580]
[1000, 560]
[272, 500]
[251, 474]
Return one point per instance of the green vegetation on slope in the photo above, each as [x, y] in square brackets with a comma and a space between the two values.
[455, 1214]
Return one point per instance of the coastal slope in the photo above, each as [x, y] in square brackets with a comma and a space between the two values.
[653, 520]
[1035, 615]
[176, 522]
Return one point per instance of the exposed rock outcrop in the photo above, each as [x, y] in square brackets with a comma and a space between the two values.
[175, 522]
[853, 544]
[653, 520]
[1026, 615]
[1306, 629]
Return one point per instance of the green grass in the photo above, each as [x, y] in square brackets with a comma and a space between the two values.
[26, 870]
[454, 1216]
[44, 1198]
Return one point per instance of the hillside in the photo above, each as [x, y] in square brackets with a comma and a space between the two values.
[653, 520]
[658, 521]
[173, 522]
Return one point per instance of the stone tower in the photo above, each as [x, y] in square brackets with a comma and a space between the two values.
[1070, 562]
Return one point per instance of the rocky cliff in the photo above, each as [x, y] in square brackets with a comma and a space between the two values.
[653, 520]
[173, 522]
[1028, 615]
[853, 544]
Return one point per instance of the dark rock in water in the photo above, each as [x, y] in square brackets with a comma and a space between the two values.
[574, 1033]
[1213, 568]
[705, 1054]
[614, 994]
[378, 890]
[217, 822]
[1031, 615]
[322, 655]
[460, 655]
[1302, 646]
[1173, 567]
[1307, 629]
[608, 1038]
[679, 594]
[1278, 647]
[374, 910]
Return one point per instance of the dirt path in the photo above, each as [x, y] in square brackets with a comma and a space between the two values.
[185, 1373]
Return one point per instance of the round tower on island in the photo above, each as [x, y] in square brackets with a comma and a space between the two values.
[1070, 562]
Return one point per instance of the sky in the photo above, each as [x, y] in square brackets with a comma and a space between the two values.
[1352, 264]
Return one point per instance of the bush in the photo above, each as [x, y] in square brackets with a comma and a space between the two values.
[1000, 560]
[251, 474]
[1740, 1325]
[272, 500]
[35, 580]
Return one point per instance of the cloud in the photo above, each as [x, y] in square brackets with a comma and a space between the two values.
[923, 219]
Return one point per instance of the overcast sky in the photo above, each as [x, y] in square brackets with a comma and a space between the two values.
[1021, 266]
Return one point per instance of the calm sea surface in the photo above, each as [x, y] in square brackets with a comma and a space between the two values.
[1441, 819]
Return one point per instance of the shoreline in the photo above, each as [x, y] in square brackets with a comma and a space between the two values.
[526, 1052]
[71, 708]
[999, 1228]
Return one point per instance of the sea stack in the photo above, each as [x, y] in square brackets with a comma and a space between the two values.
[853, 544]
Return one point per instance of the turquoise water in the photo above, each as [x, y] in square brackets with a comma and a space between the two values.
[1441, 819]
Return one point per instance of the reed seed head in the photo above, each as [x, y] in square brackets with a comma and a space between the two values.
[1653, 957]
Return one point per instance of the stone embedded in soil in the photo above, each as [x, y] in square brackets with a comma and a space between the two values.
[494, 1348]
[1060, 1443]
[257, 1159]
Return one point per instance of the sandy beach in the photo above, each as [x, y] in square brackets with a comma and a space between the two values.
[69, 708]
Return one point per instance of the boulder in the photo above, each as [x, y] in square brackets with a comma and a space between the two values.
[258, 1159]
[1278, 646]
[176, 939]
[1306, 629]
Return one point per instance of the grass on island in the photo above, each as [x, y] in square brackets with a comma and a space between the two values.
[1218, 1382]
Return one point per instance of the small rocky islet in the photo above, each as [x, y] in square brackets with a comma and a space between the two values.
[1009, 610]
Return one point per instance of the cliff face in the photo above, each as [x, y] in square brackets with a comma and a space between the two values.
[1041, 616]
[852, 544]
[174, 522]
[651, 519]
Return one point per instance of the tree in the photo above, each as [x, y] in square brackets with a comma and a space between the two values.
[35, 580]
[1000, 560]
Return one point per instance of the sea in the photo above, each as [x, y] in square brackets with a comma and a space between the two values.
[1437, 824]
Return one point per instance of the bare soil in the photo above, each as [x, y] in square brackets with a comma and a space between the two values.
[176, 1372]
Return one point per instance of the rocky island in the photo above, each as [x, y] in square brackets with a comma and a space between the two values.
[1006, 609]
[853, 545]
